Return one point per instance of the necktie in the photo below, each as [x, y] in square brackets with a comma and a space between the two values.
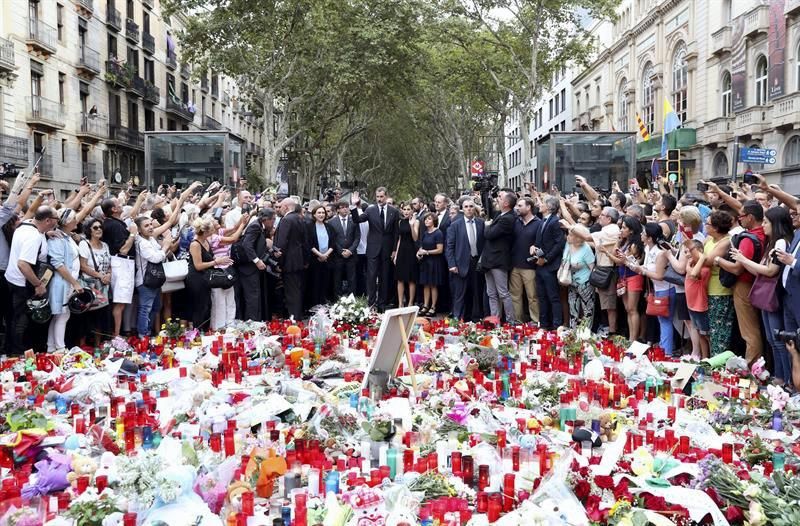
[344, 225]
[383, 217]
[471, 236]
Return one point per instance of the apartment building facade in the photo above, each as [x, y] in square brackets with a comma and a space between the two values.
[82, 80]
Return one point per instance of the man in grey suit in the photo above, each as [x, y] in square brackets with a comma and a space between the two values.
[463, 247]
[348, 236]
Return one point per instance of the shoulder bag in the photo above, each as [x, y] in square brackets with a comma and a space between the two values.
[153, 273]
[96, 286]
[601, 277]
[221, 278]
[674, 277]
[564, 273]
[657, 306]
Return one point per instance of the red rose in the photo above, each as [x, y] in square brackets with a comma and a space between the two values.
[604, 481]
[744, 474]
[624, 465]
[594, 461]
[582, 490]
[621, 490]
[593, 510]
[711, 492]
[734, 514]
[651, 502]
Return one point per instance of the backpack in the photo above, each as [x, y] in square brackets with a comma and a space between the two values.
[728, 279]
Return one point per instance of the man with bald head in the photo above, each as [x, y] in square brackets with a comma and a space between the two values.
[290, 242]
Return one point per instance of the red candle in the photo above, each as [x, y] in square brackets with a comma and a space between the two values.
[515, 453]
[727, 452]
[495, 507]
[129, 519]
[683, 447]
[483, 477]
[455, 461]
[501, 438]
[482, 502]
[101, 483]
[82, 483]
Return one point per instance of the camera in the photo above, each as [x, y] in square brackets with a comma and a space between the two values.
[787, 336]
[330, 194]
[273, 267]
[664, 245]
[703, 187]
[8, 170]
[774, 257]
[750, 178]
[539, 253]
[485, 183]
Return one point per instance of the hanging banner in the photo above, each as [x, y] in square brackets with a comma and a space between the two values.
[738, 62]
[776, 35]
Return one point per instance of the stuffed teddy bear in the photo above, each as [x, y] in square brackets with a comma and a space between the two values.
[81, 466]
[608, 426]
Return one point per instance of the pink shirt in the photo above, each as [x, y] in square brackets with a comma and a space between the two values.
[697, 291]
[218, 248]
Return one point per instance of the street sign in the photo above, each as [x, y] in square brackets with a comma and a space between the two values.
[757, 155]
[477, 167]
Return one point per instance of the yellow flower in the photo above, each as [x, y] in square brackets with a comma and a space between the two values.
[642, 464]
[617, 505]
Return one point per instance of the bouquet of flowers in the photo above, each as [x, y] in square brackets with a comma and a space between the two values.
[173, 328]
[350, 312]
[142, 478]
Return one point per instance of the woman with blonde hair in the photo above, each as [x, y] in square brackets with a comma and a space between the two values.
[63, 254]
[201, 260]
[581, 261]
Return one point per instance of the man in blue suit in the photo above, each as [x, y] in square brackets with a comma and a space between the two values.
[791, 276]
[463, 247]
[549, 246]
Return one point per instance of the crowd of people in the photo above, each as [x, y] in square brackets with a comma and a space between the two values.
[694, 274]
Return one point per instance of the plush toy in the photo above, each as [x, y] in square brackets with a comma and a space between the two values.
[368, 507]
[200, 373]
[608, 426]
[81, 466]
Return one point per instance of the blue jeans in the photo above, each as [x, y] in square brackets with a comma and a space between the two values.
[149, 304]
[773, 321]
[665, 323]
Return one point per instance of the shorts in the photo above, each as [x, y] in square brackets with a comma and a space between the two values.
[681, 309]
[634, 283]
[123, 275]
[608, 297]
[700, 321]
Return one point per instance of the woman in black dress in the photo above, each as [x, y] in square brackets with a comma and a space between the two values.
[431, 267]
[405, 257]
[201, 259]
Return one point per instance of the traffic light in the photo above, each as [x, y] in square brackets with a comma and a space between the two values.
[673, 165]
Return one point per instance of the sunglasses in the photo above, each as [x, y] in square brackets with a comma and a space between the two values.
[97, 227]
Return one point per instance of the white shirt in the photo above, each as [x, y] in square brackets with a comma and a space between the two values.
[233, 217]
[362, 243]
[28, 244]
[608, 236]
[787, 268]
[147, 250]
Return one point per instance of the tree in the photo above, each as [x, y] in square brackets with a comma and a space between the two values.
[536, 38]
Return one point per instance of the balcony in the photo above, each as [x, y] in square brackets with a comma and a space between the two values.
[718, 131]
[126, 137]
[753, 121]
[210, 123]
[45, 168]
[85, 7]
[179, 109]
[136, 87]
[152, 95]
[786, 112]
[204, 84]
[92, 128]
[721, 41]
[235, 106]
[44, 113]
[7, 64]
[89, 172]
[594, 113]
[172, 60]
[148, 3]
[41, 37]
[186, 71]
[148, 43]
[14, 149]
[756, 21]
[114, 20]
[225, 99]
[791, 8]
[131, 30]
[88, 62]
[118, 75]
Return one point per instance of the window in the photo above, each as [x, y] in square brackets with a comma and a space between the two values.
[551, 108]
[792, 155]
[60, 21]
[798, 67]
[761, 81]
[62, 79]
[558, 96]
[149, 120]
[726, 10]
[130, 9]
[622, 109]
[145, 22]
[63, 150]
[133, 116]
[149, 71]
[112, 46]
[720, 165]
[727, 97]
[680, 82]
[133, 59]
[564, 99]
[648, 98]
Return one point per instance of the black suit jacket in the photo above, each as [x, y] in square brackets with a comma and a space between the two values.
[550, 238]
[313, 240]
[498, 235]
[444, 224]
[456, 247]
[290, 239]
[345, 240]
[254, 245]
[382, 238]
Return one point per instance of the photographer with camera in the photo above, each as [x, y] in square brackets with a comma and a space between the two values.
[496, 257]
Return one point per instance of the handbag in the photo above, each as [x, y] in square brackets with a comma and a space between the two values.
[176, 270]
[764, 294]
[674, 277]
[94, 284]
[601, 277]
[153, 273]
[657, 306]
[221, 278]
[621, 288]
[564, 274]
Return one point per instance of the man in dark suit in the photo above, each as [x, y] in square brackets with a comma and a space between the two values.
[463, 247]
[790, 277]
[347, 237]
[381, 243]
[251, 266]
[496, 257]
[290, 244]
[550, 240]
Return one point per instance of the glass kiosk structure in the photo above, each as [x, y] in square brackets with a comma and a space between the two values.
[182, 157]
[601, 157]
